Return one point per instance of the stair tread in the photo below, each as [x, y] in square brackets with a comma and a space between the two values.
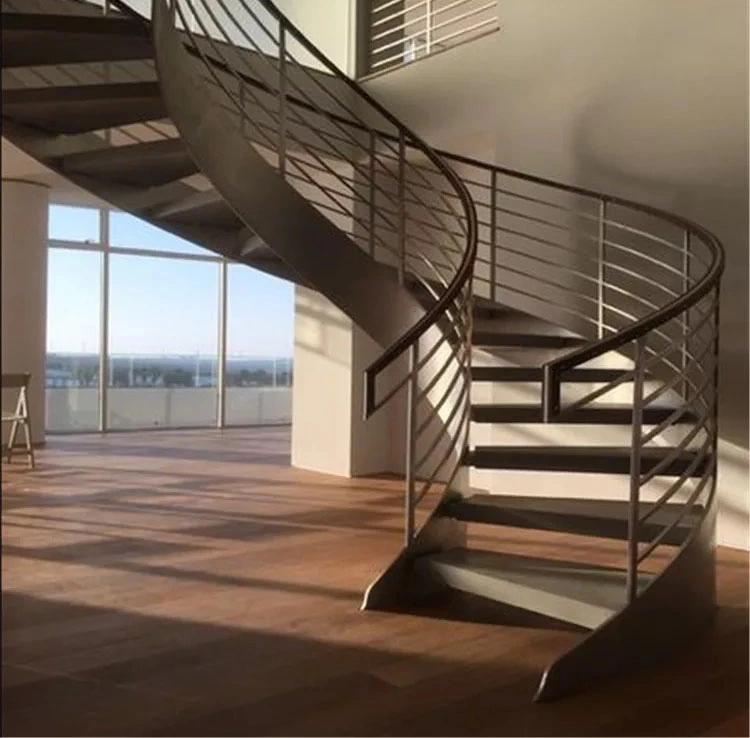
[54, 39]
[584, 594]
[566, 505]
[585, 459]
[151, 163]
[530, 340]
[535, 374]
[81, 108]
[603, 413]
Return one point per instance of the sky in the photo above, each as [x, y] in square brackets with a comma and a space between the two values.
[158, 305]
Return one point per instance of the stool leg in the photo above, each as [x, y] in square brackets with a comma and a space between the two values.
[12, 439]
[29, 447]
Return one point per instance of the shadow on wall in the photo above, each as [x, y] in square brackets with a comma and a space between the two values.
[691, 180]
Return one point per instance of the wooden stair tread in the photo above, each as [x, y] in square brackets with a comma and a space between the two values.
[585, 459]
[593, 414]
[583, 594]
[596, 518]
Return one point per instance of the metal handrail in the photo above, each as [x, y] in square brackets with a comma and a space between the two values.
[645, 334]
[421, 235]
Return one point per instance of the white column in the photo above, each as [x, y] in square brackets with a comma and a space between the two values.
[328, 432]
[23, 246]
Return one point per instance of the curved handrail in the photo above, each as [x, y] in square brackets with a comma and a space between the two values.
[440, 330]
[568, 359]
[397, 348]
[653, 330]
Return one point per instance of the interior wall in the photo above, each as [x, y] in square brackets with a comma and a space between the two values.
[23, 247]
[329, 433]
[321, 394]
[645, 99]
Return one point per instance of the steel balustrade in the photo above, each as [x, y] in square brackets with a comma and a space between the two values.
[633, 279]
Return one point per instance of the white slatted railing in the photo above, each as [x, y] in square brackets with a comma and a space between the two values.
[402, 31]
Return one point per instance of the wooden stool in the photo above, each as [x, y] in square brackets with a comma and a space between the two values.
[21, 414]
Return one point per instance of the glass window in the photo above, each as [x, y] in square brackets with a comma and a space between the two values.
[67, 223]
[127, 231]
[260, 340]
[73, 340]
[163, 342]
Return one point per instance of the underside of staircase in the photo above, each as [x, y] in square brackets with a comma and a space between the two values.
[555, 348]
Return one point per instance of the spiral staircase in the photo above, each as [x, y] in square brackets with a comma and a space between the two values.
[505, 302]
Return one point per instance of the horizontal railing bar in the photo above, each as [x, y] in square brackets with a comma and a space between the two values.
[667, 495]
[383, 62]
[464, 421]
[678, 413]
[398, 13]
[438, 437]
[686, 509]
[435, 409]
[657, 393]
[664, 463]
[646, 257]
[470, 29]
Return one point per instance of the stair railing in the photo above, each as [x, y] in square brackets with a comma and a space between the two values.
[640, 283]
[376, 181]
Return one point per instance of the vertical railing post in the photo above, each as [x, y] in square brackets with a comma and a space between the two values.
[371, 199]
[411, 442]
[493, 235]
[282, 99]
[428, 25]
[635, 469]
[602, 239]
[221, 379]
[401, 207]
[686, 314]
[550, 393]
[715, 393]
[104, 319]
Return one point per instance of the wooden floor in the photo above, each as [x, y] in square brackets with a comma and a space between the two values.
[193, 583]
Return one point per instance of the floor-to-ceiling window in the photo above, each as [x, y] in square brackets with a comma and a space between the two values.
[140, 324]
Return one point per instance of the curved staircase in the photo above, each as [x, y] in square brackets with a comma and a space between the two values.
[512, 308]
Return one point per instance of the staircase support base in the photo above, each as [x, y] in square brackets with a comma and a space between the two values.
[668, 615]
[400, 584]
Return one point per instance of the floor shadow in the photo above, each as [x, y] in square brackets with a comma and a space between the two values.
[163, 676]
[72, 669]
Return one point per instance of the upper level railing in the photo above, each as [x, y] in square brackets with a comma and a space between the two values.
[401, 31]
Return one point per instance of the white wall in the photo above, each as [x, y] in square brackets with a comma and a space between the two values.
[328, 432]
[24, 293]
[646, 99]
[329, 25]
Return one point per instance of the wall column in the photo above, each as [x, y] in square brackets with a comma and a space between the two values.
[23, 246]
[328, 432]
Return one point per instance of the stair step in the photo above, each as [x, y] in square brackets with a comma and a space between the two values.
[82, 108]
[596, 518]
[582, 594]
[205, 208]
[525, 340]
[43, 38]
[593, 414]
[536, 374]
[149, 164]
[587, 459]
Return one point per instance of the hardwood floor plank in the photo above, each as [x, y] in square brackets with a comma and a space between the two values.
[194, 583]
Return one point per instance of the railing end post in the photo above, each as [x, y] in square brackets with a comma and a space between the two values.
[550, 393]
